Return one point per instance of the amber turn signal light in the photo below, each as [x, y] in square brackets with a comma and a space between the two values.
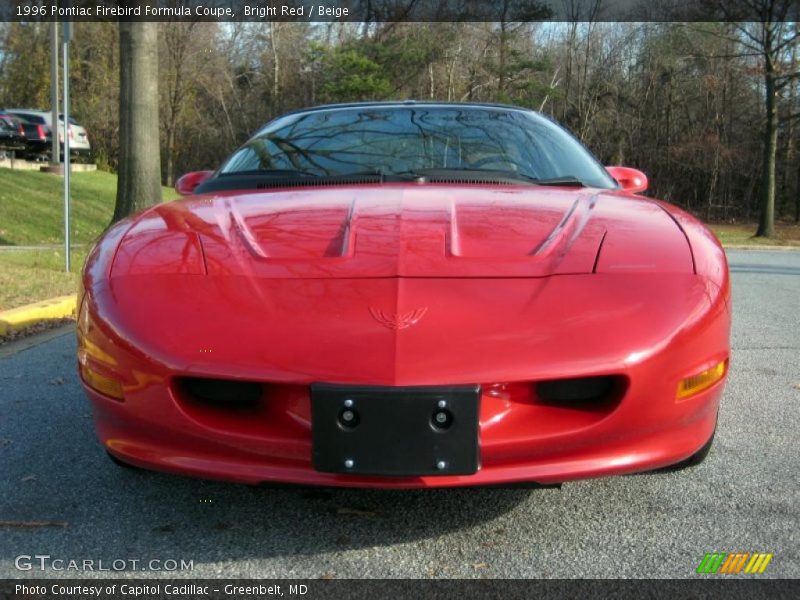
[701, 381]
[105, 385]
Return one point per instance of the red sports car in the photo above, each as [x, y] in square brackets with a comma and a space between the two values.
[407, 295]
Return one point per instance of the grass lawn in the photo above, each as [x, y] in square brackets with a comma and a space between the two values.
[31, 214]
[32, 206]
[742, 235]
[28, 276]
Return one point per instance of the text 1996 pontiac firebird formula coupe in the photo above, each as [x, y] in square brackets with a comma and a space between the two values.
[406, 295]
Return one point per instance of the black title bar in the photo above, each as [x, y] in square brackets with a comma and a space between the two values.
[369, 589]
[397, 10]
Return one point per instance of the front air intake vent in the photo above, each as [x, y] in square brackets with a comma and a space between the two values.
[581, 391]
[223, 393]
[468, 181]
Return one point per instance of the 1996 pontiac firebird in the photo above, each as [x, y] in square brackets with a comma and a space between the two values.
[406, 295]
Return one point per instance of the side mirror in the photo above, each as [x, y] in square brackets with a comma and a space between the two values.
[188, 183]
[631, 180]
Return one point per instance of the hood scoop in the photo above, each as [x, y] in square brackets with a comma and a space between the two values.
[515, 229]
[276, 235]
[405, 231]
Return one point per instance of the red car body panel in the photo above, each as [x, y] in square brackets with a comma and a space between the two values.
[408, 285]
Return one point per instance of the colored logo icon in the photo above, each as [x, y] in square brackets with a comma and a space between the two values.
[722, 563]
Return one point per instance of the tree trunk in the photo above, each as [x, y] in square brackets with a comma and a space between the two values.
[766, 223]
[788, 148]
[501, 76]
[276, 69]
[139, 183]
[169, 167]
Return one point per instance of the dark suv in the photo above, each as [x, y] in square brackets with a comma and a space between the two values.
[12, 135]
[37, 134]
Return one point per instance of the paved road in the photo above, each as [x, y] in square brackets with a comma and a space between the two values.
[745, 497]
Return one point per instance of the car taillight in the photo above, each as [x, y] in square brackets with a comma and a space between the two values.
[40, 131]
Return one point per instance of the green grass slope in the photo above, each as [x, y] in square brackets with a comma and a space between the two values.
[32, 206]
[32, 214]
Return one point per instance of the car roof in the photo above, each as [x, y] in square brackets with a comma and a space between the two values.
[407, 104]
[27, 111]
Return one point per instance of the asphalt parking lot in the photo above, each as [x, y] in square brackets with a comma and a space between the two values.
[61, 496]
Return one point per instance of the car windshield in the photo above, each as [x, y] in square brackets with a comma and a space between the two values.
[391, 140]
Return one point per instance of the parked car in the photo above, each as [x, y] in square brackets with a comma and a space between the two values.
[37, 135]
[79, 138]
[12, 140]
[13, 121]
[407, 295]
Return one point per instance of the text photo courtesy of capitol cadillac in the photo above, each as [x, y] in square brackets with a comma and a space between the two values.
[399, 298]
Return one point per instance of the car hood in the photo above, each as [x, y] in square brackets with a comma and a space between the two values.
[405, 230]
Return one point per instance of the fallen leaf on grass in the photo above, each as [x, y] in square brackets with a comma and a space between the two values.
[32, 524]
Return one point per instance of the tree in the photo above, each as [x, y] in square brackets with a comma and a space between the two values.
[94, 83]
[771, 39]
[25, 65]
[354, 76]
[139, 183]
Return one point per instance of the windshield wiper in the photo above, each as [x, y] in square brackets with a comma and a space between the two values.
[421, 174]
[284, 173]
[456, 172]
[565, 180]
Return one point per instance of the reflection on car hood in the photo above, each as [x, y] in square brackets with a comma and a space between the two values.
[407, 230]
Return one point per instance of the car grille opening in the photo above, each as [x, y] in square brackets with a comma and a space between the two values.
[223, 393]
[581, 391]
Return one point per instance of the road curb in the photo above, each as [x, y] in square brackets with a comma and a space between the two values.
[32, 314]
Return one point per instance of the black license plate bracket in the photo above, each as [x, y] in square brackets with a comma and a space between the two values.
[395, 431]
